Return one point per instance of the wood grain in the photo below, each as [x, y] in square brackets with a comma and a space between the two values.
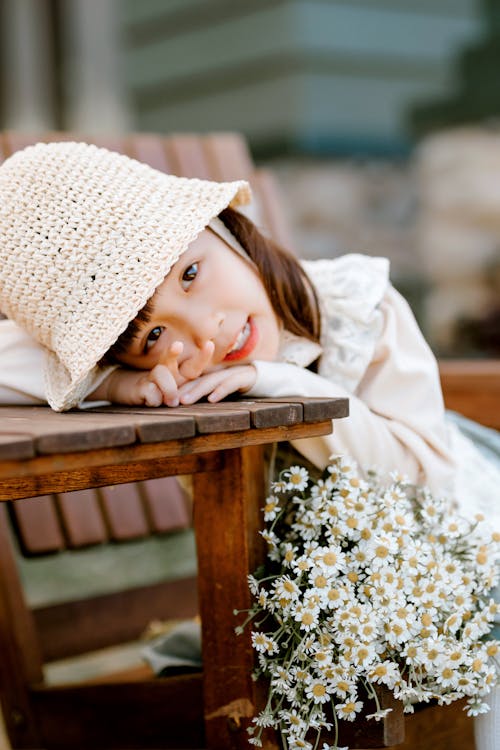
[48, 474]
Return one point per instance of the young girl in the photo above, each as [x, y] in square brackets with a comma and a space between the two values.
[124, 284]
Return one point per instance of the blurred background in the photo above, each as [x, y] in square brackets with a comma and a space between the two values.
[379, 118]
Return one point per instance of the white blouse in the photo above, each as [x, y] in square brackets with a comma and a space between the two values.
[372, 352]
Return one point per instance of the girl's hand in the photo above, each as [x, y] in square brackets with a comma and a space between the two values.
[139, 387]
[218, 384]
[156, 386]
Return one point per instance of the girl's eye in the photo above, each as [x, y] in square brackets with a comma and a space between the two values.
[153, 337]
[189, 275]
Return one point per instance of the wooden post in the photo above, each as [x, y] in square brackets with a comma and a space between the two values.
[227, 516]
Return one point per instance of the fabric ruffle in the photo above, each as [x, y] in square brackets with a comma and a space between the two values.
[350, 289]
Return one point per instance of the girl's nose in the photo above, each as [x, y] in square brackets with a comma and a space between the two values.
[206, 327]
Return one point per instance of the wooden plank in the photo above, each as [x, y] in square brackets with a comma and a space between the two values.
[212, 418]
[159, 713]
[167, 505]
[272, 214]
[16, 445]
[269, 413]
[15, 141]
[228, 157]
[48, 474]
[85, 625]
[64, 433]
[81, 518]
[3, 148]
[150, 149]
[318, 409]
[37, 525]
[153, 425]
[111, 142]
[123, 511]
[187, 157]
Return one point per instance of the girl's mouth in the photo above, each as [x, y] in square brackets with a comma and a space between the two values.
[244, 343]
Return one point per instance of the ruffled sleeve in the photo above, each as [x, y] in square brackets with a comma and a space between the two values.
[350, 290]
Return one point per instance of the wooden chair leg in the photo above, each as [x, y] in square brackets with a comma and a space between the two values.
[20, 662]
[227, 522]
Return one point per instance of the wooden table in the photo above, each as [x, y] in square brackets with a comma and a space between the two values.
[222, 446]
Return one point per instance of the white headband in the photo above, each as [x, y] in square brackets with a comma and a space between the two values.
[219, 228]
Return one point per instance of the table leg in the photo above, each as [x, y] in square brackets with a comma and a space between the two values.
[227, 519]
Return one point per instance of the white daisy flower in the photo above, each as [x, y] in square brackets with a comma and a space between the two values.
[297, 478]
[348, 710]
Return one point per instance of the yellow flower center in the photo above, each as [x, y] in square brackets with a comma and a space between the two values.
[320, 582]
[319, 690]
[330, 558]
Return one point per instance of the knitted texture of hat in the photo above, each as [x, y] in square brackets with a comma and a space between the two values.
[86, 236]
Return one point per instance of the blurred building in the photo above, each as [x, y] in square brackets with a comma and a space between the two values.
[315, 76]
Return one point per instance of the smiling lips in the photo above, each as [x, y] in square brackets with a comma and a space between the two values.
[244, 344]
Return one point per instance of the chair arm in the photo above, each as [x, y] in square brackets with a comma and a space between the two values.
[472, 387]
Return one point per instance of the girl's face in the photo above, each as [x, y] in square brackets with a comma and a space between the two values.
[211, 293]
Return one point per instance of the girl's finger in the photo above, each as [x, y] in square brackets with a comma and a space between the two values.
[150, 394]
[193, 367]
[218, 384]
[240, 381]
[165, 380]
[170, 359]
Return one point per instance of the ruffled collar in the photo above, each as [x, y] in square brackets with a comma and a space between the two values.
[297, 350]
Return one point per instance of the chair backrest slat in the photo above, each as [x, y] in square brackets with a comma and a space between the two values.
[38, 524]
[166, 516]
[123, 511]
[228, 156]
[151, 150]
[81, 518]
[188, 157]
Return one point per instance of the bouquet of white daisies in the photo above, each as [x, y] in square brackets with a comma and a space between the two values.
[367, 582]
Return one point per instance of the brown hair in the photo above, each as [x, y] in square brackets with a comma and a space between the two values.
[292, 295]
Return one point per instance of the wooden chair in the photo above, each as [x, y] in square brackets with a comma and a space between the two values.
[50, 525]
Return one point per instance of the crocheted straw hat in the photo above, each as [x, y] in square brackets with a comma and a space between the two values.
[86, 236]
